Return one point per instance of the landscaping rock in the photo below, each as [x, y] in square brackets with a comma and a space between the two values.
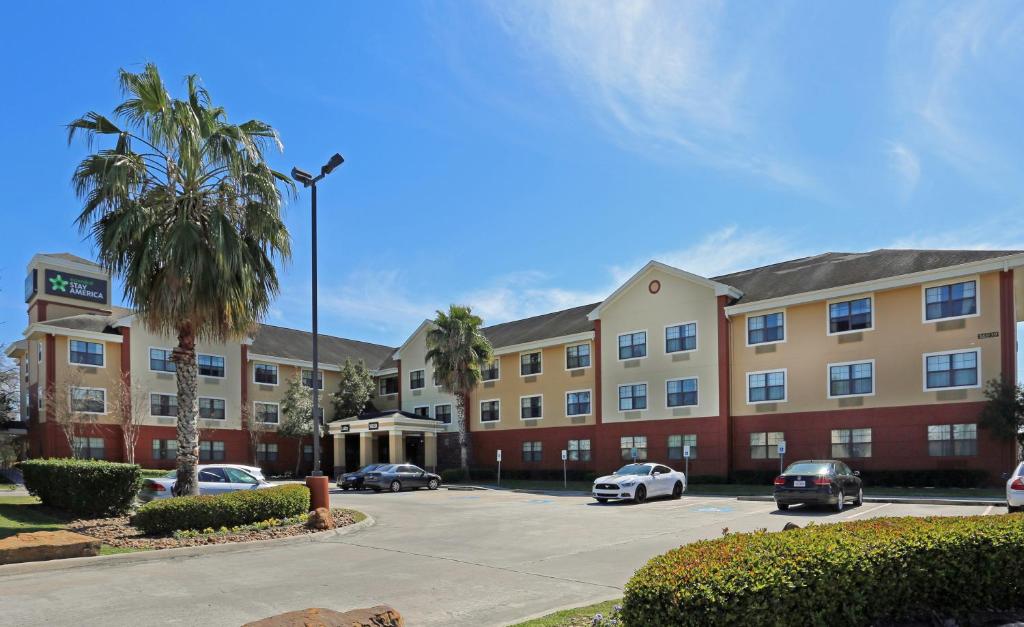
[46, 545]
[320, 519]
[377, 616]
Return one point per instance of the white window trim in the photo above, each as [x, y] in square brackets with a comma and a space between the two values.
[953, 281]
[427, 407]
[566, 406]
[538, 351]
[152, 394]
[320, 371]
[785, 385]
[647, 345]
[213, 398]
[828, 378]
[78, 365]
[381, 380]
[71, 400]
[924, 369]
[424, 371]
[622, 385]
[264, 363]
[212, 376]
[785, 327]
[667, 381]
[541, 397]
[170, 350]
[256, 413]
[451, 414]
[497, 361]
[565, 353]
[481, 408]
[696, 337]
[846, 299]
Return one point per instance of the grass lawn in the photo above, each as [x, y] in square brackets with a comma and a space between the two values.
[24, 514]
[576, 617]
[7, 487]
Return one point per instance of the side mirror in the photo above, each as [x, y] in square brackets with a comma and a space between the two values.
[856, 473]
[655, 473]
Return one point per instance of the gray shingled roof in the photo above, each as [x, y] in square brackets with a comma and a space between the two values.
[810, 274]
[559, 323]
[98, 323]
[295, 344]
[71, 257]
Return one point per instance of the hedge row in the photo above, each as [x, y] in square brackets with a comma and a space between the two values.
[82, 486]
[221, 510]
[939, 478]
[841, 574]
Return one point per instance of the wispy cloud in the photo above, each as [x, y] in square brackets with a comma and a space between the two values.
[905, 164]
[1002, 232]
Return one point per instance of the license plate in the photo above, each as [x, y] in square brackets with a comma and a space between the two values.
[799, 484]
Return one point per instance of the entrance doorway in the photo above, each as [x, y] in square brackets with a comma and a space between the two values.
[414, 449]
[352, 460]
[383, 449]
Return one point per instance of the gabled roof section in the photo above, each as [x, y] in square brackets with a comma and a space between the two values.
[721, 289]
[423, 325]
[94, 323]
[295, 344]
[545, 326]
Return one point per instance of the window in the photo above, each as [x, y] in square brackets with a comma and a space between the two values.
[417, 379]
[579, 450]
[530, 363]
[267, 413]
[160, 360]
[577, 356]
[851, 379]
[212, 451]
[491, 370]
[532, 451]
[953, 440]
[677, 442]
[633, 397]
[266, 452]
[307, 379]
[633, 447]
[951, 370]
[681, 392]
[211, 366]
[950, 301]
[307, 452]
[211, 408]
[265, 373]
[86, 353]
[422, 411]
[851, 443]
[681, 337]
[766, 387]
[388, 386]
[490, 411]
[90, 448]
[850, 315]
[436, 381]
[163, 404]
[766, 328]
[443, 413]
[765, 445]
[89, 400]
[165, 449]
[633, 345]
[531, 407]
[577, 403]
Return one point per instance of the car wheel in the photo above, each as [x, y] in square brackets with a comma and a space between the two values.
[677, 490]
[840, 501]
[860, 497]
[432, 484]
[782, 506]
[640, 495]
[396, 486]
[601, 500]
[1013, 509]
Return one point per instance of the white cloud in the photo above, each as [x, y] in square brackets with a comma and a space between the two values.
[906, 164]
[526, 294]
[1004, 232]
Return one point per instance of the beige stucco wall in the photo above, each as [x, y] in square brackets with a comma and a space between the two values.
[897, 343]
[413, 356]
[679, 300]
[68, 374]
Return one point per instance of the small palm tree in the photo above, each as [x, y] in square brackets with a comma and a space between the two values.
[184, 209]
[457, 349]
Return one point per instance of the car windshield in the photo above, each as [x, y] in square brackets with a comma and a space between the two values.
[808, 468]
[368, 467]
[382, 468]
[633, 469]
[171, 475]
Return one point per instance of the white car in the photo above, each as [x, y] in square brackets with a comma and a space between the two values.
[1015, 490]
[638, 482]
[213, 479]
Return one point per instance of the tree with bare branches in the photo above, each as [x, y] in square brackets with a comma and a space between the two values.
[72, 406]
[130, 404]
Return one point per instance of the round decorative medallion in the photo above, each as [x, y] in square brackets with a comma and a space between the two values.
[655, 286]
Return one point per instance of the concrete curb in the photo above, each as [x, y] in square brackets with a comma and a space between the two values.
[573, 606]
[465, 488]
[181, 552]
[903, 500]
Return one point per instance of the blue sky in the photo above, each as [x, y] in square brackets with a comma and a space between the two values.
[525, 157]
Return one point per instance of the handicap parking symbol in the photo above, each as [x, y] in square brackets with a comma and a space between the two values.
[712, 510]
[539, 501]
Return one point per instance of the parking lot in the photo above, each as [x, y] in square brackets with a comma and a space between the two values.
[442, 558]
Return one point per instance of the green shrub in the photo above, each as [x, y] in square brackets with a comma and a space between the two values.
[451, 475]
[842, 574]
[154, 473]
[221, 510]
[937, 478]
[82, 486]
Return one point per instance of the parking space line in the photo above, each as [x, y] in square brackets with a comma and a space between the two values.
[867, 511]
[988, 510]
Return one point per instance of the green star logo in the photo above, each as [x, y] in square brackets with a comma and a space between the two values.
[59, 284]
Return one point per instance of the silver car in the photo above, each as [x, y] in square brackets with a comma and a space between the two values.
[213, 479]
[1015, 490]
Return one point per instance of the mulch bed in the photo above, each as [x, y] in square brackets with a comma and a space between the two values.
[118, 532]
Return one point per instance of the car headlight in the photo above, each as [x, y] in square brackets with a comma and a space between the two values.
[626, 484]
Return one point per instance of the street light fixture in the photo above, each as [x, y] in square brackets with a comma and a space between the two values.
[308, 180]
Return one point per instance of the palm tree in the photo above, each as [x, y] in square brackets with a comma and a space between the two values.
[184, 209]
[457, 349]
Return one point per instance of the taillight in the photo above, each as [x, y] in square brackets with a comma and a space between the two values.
[158, 487]
[1018, 484]
[822, 481]
[780, 480]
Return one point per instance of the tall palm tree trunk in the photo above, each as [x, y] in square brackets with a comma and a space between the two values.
[187, 373]
[460, 401]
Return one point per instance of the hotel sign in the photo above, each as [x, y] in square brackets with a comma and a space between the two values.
[373, 426]
[346, 428]
[67, 285]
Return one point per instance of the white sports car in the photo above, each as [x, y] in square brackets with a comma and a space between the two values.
[1015, 490]
[637, 482]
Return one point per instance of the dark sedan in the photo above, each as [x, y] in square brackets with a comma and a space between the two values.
[398, 477]
[354, 480]
[818, 482]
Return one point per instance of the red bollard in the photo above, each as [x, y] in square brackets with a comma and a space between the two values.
[318, 492]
